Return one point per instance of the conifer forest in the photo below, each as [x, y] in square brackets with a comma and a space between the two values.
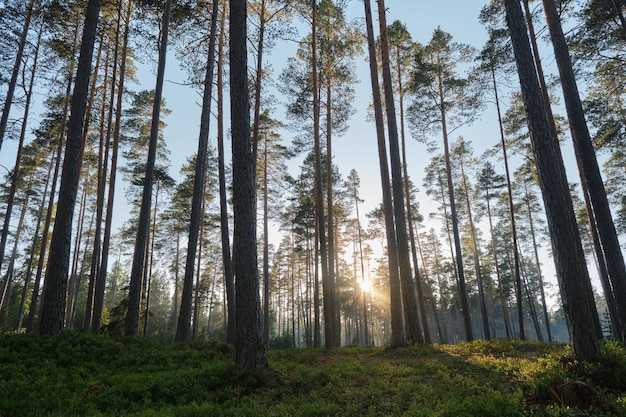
[342, 181]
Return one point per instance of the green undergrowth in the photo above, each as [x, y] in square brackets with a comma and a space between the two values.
[82, 375]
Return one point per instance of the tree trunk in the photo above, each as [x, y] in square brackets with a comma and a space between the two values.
[8, 277]
[330, 212]
[16, 172]
[229, 277]
[411, 317]
[479, 277]
[30, 320]
[586, 156]
[397, 326]
[137, 271]
[509, 188]
[182, 329]
[327, 288]
[102, 271]
[568, 253]
[4, 119]
[266, 250]
[494, 250]
[53, 302]
[101, 172]
[32, 249]
[458, 255]
[249, 348]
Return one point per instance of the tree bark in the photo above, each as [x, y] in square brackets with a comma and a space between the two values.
[411, 317]
[568, 253]
[137, 271]
[229, 278]
[182, 329]
[53, 302]
[587, 157]
[397, 326]
[102, 271]
[249, 347]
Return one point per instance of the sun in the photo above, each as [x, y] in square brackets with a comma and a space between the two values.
[366, 285]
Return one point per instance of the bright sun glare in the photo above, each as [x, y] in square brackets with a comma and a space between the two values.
[366, 285]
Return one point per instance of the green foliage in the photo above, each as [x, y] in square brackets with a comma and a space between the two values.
[81, 374]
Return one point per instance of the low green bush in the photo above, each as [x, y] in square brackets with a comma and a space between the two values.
[83, 375]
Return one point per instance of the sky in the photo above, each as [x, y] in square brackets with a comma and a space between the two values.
[357, 148]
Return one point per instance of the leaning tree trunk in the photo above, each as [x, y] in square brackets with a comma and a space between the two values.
[16, 169]
[4, 119]
[411, 317]
[419, 282]
[586, 156]
[538, 266]
[397, 327]
[568, 253]
[34, 303]
[53, 301]
[32, 249]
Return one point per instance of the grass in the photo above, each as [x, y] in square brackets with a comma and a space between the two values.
[83, 375]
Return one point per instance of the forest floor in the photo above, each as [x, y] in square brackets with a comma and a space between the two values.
[82, 375]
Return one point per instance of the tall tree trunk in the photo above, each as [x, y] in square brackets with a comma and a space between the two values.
[101, 172]
[327, 287]
[330, 213]
[137, 271]
[182, 329]
[258, 84]
[150, 259]
[397, 326]
[30, 320]
[494, 250]
[538, 266]
[586, 156]
[32, 249]
[102, 271]
[409, 216]
[411, 317]
[568, 253]
[4, 119]
[75, 279]
[266, 250]
[229, 277]
[249, 348]
[458, 255]
[362, 264]
[479, 277]
[176, 285]
[509, 189]
[198, 271]
[53, 301]
[8, 277]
